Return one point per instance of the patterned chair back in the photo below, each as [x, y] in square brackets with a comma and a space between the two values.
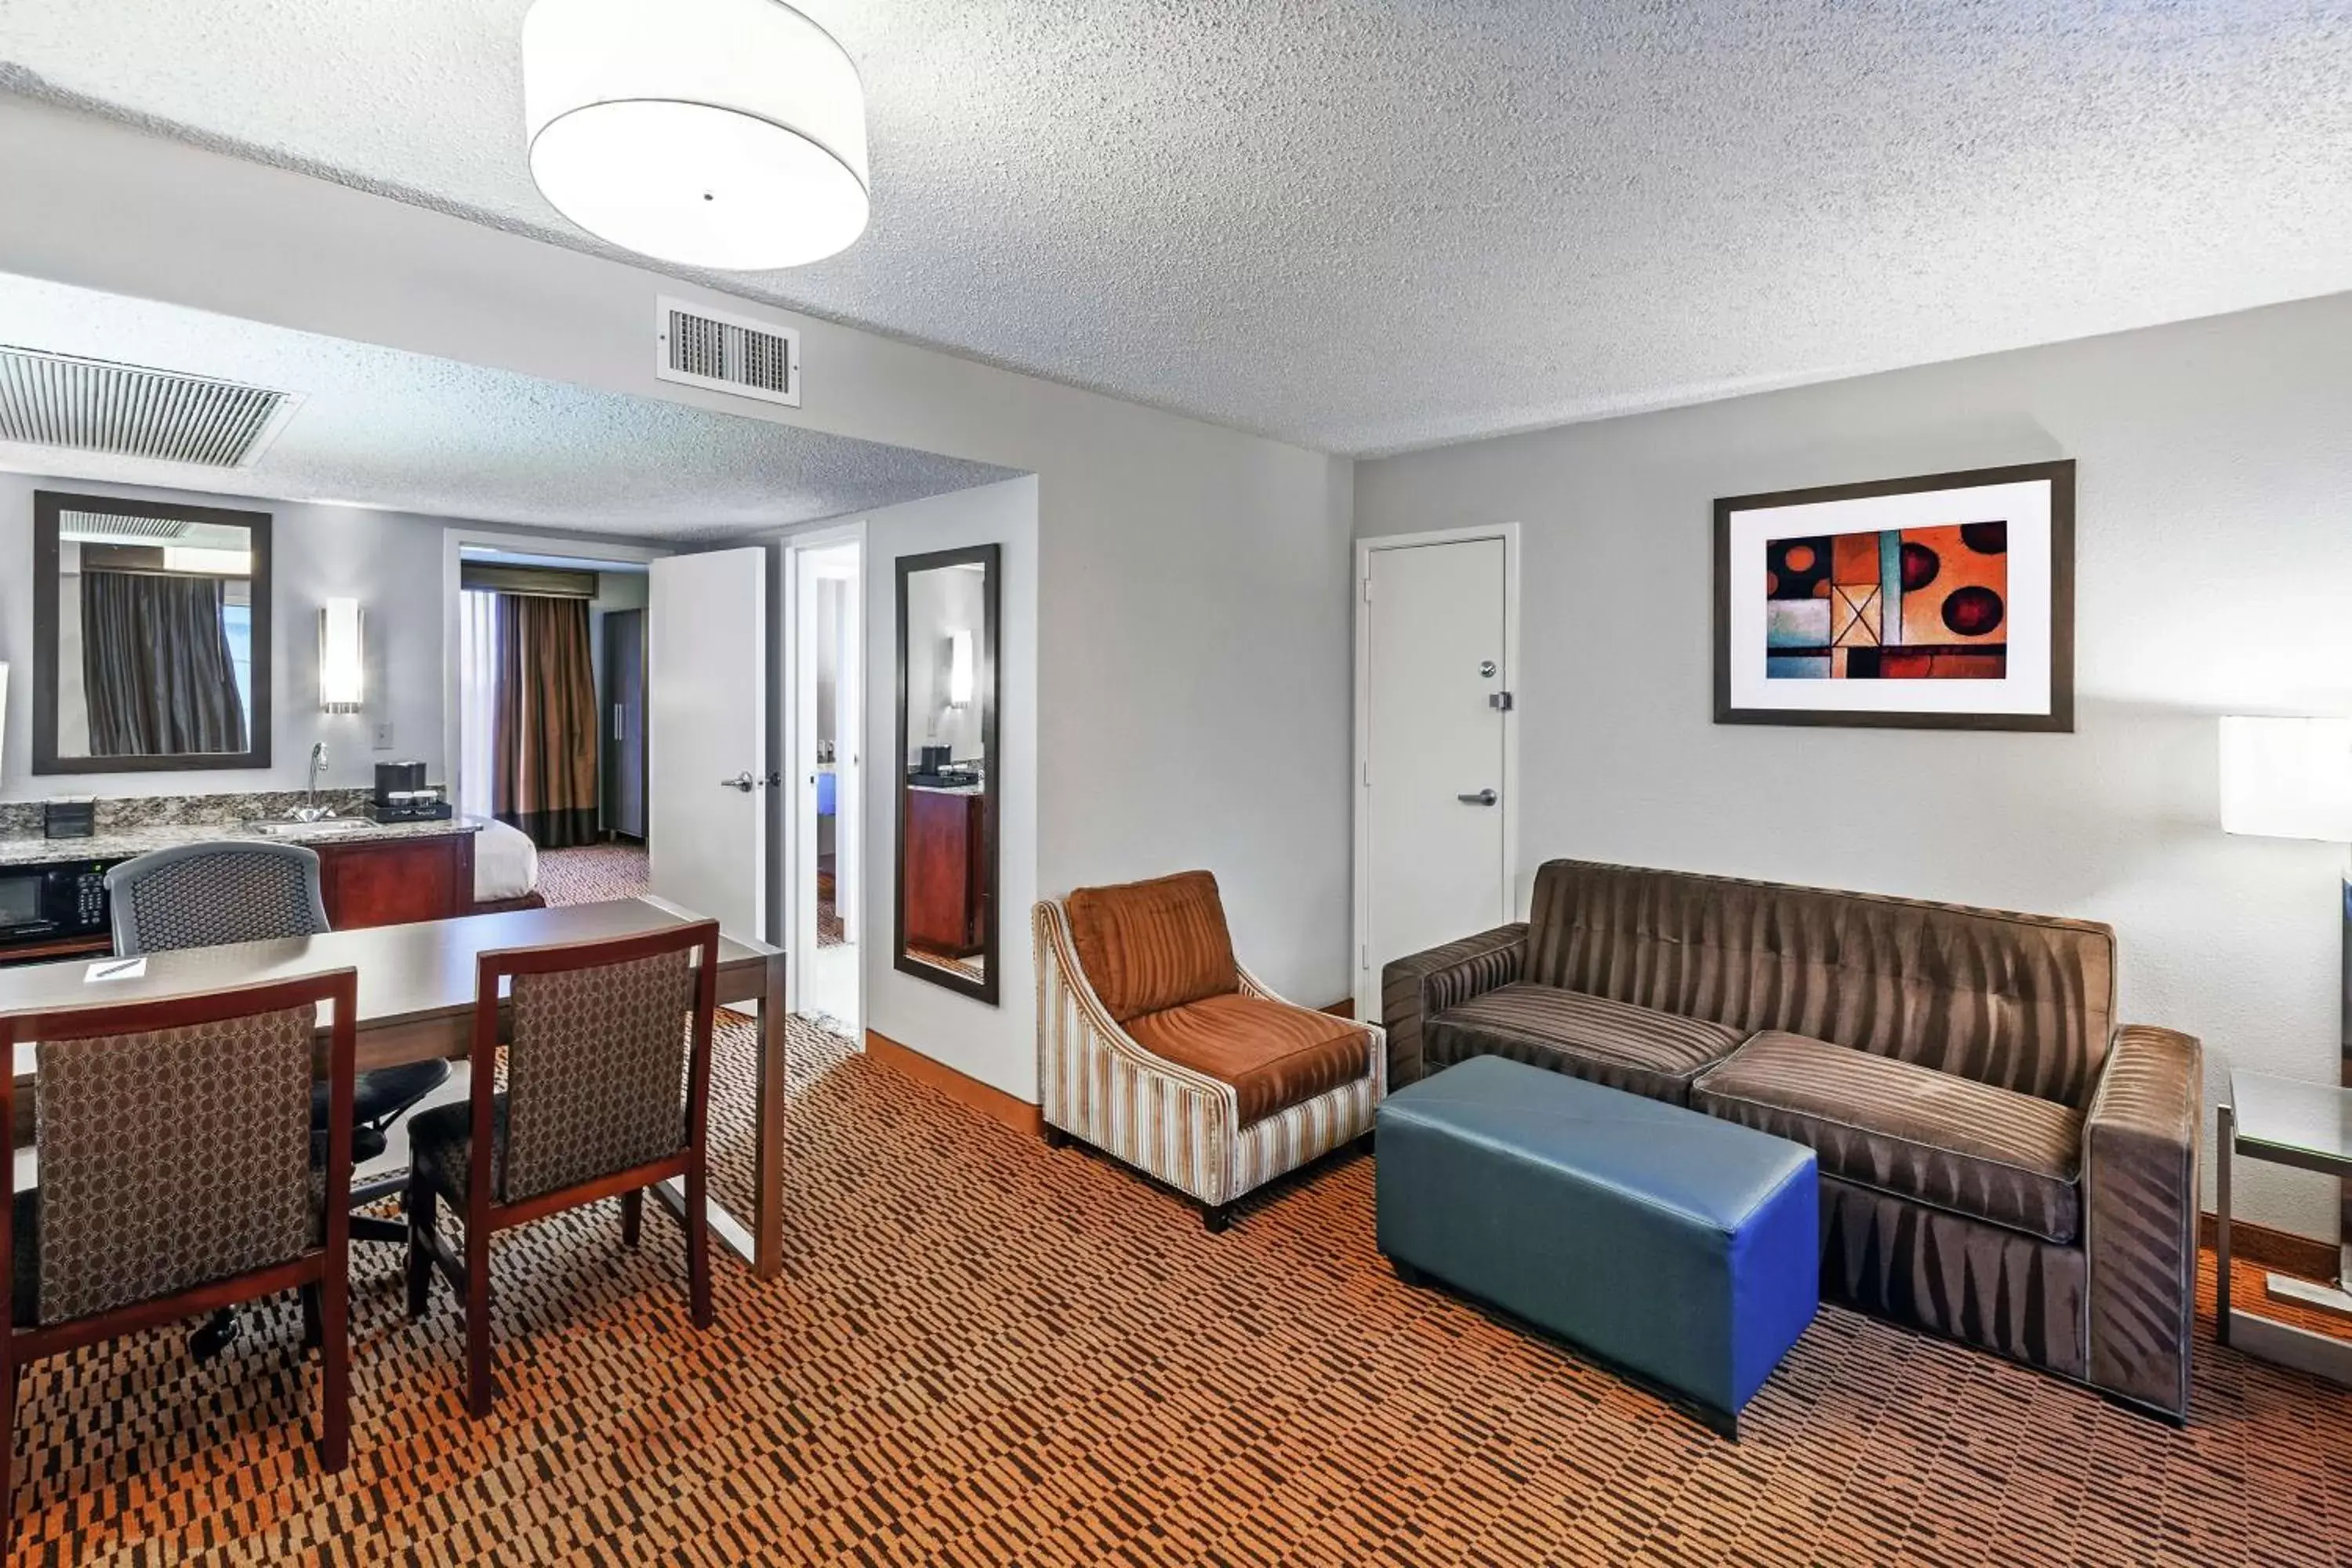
[208, 895]
[609, 1057]
[175, 1145]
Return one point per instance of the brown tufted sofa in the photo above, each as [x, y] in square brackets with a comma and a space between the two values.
[2001, 1161]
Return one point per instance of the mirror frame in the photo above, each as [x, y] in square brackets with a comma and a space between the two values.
[46, 506]
[991, 559]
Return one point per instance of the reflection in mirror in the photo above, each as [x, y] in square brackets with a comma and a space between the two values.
[150, 629]
[947, 781]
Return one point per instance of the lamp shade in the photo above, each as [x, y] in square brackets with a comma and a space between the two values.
[341, 666]
[2287, 778]
[722, 133]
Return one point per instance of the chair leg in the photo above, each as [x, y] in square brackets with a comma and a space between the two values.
[1055, 1138]
[421, 1206]
[478, 1318]
[8, 1452]
[313, 1330]
[698, 1248]
[333, 1297]
[633, 1217]
[1217, 1217]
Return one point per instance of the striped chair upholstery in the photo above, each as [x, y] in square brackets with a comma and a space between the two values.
[1214, 1092]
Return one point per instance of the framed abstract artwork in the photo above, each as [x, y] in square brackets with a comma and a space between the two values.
[1940, 603]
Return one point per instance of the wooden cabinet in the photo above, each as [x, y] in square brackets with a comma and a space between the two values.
[946, 861]
[392, 881]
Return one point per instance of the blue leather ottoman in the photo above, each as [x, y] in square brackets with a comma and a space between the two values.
[1679, 1249]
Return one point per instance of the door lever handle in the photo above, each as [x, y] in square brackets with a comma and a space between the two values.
[741, 780]
[1483, 797]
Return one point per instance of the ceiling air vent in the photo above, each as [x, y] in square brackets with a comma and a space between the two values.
[728, 353]
[97, 405]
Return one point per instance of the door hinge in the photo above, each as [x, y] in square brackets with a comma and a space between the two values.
[1367, 590]
[1500, 702]
[1367, 775]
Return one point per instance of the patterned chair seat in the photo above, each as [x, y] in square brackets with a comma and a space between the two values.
[441, 1144]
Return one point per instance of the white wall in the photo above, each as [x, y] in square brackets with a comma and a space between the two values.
[2213, 575]
[997, 1045]
[1193, 583]
[389, 561]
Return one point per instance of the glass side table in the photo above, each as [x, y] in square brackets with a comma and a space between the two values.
[2286, 1122]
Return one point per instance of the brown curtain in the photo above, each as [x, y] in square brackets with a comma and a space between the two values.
[543, 780]
[156, 672]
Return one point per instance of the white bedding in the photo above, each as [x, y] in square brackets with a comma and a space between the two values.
[506, 863]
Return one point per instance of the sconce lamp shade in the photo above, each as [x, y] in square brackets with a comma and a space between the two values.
[960, 671]
[2287, 778]
[343, 678]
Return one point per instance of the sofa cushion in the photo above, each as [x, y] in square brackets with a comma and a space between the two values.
[1612, 1043]
[1274, 1055]
[1913, 1132]
[2025, 1002]
[1149, 946]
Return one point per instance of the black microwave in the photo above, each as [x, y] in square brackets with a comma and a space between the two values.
[43, 903]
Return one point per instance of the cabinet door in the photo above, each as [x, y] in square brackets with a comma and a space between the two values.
[397, 881]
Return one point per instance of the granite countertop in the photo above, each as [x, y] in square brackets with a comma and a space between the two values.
[119, 843]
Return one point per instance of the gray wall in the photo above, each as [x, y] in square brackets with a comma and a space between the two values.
[1193, 621]
[2215, 575]
[391, 562]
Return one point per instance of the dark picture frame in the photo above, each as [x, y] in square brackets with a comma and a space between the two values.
[989, 559]
[2058, 718]
[47, 506]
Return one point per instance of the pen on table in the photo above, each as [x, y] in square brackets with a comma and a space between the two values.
[110, 971]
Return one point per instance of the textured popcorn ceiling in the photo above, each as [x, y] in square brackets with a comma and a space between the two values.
[1369, 224]
[380, 428]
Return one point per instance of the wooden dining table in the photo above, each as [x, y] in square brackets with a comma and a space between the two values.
[416, 1003]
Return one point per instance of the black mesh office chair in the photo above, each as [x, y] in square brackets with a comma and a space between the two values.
[209, 895]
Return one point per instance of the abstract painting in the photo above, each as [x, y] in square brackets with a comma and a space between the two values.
[1940, 602]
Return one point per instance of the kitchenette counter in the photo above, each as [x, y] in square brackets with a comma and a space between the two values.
[120, 843]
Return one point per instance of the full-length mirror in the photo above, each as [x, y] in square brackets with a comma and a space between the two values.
[151, 636]
[947, 924]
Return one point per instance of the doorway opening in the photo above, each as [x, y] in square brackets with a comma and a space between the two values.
[551, 722]
[828, 891]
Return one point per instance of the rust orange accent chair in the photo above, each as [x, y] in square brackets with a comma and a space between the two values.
[1157, 1047]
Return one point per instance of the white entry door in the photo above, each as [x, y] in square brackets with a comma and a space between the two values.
[1434, 785]
[707, 720]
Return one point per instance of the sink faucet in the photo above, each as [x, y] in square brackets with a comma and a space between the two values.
[309, 810]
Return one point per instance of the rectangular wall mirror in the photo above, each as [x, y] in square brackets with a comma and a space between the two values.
[948, 916]
[151, 636]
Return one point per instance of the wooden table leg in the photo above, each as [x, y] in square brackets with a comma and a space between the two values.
[767, 1163]
[2225, 1122]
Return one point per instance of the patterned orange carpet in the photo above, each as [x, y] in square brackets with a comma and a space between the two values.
[985, 1352]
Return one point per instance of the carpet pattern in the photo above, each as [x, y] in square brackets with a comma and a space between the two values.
[593, 872]
[985, 1352]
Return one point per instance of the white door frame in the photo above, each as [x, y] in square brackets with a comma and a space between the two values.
[1367, 983]
[786, 655]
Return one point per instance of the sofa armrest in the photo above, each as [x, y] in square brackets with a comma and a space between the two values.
[1414, 990]
[2141, 1204]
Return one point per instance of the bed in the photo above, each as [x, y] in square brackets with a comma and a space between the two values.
[506, 869]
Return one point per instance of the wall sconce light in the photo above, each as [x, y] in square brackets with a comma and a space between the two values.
[342, 679]
[960, 671]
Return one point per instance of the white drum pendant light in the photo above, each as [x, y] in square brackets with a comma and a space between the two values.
[722, 133]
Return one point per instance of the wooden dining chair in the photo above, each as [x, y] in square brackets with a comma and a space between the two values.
[602, 1033]
[173, 1138]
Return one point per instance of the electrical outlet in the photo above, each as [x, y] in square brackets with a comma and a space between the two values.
[383, 737]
